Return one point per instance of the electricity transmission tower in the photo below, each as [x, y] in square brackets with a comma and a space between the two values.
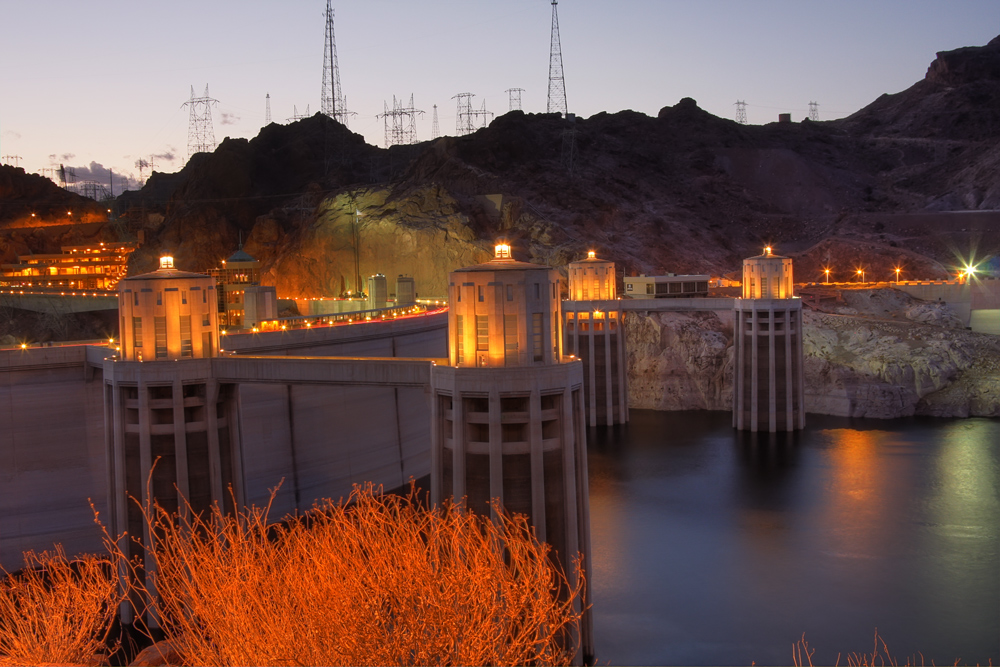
[296, 116]
[267, 109]
[515, 98]
[435, 128]
[557, 86]
[16, 158]
[400, 122]
[467, 119]
[463, 117]
[814, 111]
[741, 112]
[484, 115]
[201, 134]
[332, 100]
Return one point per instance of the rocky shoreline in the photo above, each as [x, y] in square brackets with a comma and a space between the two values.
[912, 360]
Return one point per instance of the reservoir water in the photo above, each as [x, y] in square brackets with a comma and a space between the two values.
[714, 547]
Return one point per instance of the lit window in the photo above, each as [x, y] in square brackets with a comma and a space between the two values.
[460, 336]
[536, 335]
[482, 332]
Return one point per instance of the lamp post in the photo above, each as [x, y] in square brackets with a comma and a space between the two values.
[861, 273]
[827, 272]
[897, 275]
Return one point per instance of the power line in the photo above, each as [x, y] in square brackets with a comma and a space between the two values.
[557, 85]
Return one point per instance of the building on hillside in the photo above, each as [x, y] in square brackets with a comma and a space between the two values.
[406, 291]
[378, 291]
[668, 286]
[769, 380]
[87, 267]
[594, 331]
[243, 302]
[507, 412]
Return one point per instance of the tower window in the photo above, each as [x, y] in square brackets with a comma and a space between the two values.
[480, 289]
[510, 338]
[186, 335]
[510, 292]
[536, 336]
[137, 331]
[159, 298]
[460, 326]
[538, 291]
[160, 329]
[184, 296]
[482, 332]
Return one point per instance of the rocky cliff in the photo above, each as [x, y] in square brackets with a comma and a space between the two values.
[911, 360]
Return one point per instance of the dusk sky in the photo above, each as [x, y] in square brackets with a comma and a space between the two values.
[101, 84]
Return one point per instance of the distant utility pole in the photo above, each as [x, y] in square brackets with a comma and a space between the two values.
[141, 164]
[201, 134]
[741, 112]
[557, 85]
[514, 95]
[400, 122]
[267, 109]
[814, 111]
[435, 128]
[463, 117]
[295, 114]
[332, 100]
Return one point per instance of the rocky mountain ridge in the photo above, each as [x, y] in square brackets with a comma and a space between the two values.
[685, 191]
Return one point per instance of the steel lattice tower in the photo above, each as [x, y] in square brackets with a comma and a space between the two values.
[435, 128]
[296, 116]
[267, 109]
[741, 112]
[482, 114]
[201, 134]
[514, 95]
[332, 100]
[464, 115]
[557, 86]
[814, 111]
[400, 122]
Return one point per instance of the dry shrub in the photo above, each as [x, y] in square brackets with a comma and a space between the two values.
[379, 580]
[879, 657]
[56, 610]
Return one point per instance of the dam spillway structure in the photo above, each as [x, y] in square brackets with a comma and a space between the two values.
[507, 412]
[594, 332]
[769, 380]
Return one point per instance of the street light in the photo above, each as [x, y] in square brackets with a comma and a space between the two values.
[897, 274]
[827, 272]
[861, 273]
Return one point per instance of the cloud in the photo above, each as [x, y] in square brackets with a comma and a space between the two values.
[98, 173]
[66, 157]
[229, 118]
[11, 134]
[169, 156]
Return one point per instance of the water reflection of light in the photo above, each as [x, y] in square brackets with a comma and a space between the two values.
[607, 521]
[964, 494]
[858, 494]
